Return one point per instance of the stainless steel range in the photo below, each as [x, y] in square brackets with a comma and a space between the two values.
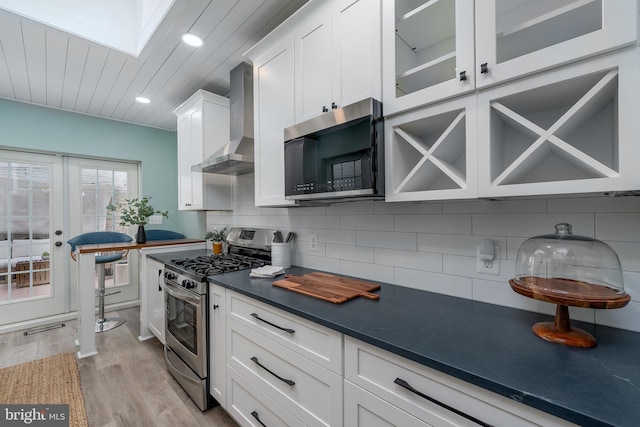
[186, 297]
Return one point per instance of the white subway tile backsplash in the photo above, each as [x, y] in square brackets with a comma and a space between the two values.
[496, 206]
[595, 204]
[434, 282]
[317, 262]
[387, 239]
[456, 244]
[367, 222]
[351, 208]
[623, 227]
[632, 284]
[432, 245]
[501, 293]
[341, 237]
[409, 259]
[350, 253]
[529, 225]
[623, 318]
[445, 224]
[629, 254]
[466, 266]
[413, 208]
[379, 273]
[513, 244]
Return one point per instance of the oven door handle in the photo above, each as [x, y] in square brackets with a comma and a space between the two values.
[176, 292]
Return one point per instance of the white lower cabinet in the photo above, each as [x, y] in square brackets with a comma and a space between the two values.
[312, 341]
[309, 391]
[251, 407]
[217, 344]
[152, 312]
[429, 395]
[364, 409]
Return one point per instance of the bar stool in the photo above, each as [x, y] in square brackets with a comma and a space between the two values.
[94, 238]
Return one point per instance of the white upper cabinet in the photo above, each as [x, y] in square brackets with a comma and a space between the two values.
[428, 51]
[203, 128]
[431, 52]
[519, 37]
[273, 110]
[571, 130]
[431, 152]
[337, 56]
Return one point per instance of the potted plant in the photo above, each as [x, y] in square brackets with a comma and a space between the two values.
[218, 237]
[137, 212]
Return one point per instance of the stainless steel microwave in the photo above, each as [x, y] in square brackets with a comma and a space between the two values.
[339, 154]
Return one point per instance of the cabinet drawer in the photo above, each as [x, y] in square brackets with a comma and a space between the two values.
[379, 372]
[251, 407]
[363, 409]
[321, 345]
[309, 391]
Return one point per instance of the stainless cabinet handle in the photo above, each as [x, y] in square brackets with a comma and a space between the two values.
[291, 331]
[284, 380]
[254, 414]
[402, 383]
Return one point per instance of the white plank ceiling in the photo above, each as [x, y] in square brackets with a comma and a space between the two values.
[45, 66]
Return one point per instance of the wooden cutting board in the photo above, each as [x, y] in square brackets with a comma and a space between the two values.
[329, 287]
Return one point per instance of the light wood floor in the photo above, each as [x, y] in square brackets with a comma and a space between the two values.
[125, 384]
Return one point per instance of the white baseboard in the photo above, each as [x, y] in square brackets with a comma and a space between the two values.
[64, 317]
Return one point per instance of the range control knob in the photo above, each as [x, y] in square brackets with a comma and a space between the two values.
[169, 275]
[189, 284]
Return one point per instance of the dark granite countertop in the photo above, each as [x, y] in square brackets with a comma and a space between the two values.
[484, 344]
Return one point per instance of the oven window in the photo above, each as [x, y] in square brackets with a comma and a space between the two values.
[182, 322]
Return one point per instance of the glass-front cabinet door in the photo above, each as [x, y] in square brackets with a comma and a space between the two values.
[519, 37]
[428, 49]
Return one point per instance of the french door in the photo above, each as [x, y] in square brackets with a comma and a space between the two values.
[44, 201]
[94, 184]
[32, 248]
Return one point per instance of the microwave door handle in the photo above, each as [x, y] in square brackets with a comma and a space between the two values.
[176, 293]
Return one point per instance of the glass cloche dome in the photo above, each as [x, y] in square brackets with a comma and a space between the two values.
[568, 270]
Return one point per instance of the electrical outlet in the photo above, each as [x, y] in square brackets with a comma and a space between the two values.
[313, 242]
[155, 219]
[487, 267]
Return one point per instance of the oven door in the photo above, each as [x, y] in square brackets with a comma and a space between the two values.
[186, 326]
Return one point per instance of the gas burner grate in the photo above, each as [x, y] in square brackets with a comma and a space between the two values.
[218, 264]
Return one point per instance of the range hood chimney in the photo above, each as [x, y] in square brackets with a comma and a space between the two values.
[236, 157]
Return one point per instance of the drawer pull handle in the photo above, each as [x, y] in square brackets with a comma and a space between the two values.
[284, 380]
[291, 331]
[404, 384]
[254, 414]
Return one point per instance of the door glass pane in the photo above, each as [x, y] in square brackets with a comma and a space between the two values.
[100, 187]
[24, 231]
[523, 27]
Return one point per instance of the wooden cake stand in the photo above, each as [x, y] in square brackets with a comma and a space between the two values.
[564, 293]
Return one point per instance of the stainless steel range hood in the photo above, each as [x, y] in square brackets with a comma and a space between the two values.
[236, 157]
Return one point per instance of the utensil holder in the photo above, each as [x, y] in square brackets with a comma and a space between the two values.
[281, 254]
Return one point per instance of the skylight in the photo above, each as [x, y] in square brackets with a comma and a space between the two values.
[125, 25]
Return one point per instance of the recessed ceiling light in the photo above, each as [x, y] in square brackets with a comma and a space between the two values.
[143, 100]
[192, 40]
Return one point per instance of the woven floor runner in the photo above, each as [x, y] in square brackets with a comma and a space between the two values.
[52, 380]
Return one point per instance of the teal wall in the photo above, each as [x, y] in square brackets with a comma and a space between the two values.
[32, 128]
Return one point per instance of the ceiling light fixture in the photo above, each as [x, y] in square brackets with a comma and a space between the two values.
[143, 100]
[192, 40]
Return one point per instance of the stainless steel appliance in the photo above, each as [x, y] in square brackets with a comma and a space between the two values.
[186, 298]
[339, 154]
